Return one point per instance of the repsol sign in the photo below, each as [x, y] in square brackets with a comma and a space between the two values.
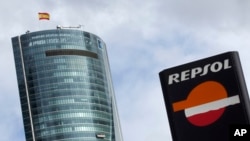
[199, 71]
[203, 95]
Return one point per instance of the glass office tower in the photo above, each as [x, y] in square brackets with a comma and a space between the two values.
[65, 86]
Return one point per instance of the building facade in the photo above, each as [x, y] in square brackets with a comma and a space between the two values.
[65, 86]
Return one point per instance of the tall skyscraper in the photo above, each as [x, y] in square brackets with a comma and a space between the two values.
[65, 86]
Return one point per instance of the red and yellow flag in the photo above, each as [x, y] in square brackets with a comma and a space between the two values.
[43, 16]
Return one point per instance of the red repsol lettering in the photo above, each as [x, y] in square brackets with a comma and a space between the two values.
[198, 71]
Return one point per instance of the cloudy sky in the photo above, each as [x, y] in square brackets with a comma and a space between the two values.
[143, 37]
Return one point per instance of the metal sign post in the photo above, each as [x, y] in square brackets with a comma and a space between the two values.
[203, 98]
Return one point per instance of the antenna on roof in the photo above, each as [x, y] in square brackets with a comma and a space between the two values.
[65, 27]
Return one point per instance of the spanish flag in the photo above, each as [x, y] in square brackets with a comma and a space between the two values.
[43, 16]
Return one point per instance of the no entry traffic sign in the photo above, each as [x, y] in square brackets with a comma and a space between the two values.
[203, 98]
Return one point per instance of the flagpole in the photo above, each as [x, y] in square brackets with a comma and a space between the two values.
[39, 23]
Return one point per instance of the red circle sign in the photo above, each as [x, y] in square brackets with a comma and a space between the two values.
[205, 98]
[206, 103]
